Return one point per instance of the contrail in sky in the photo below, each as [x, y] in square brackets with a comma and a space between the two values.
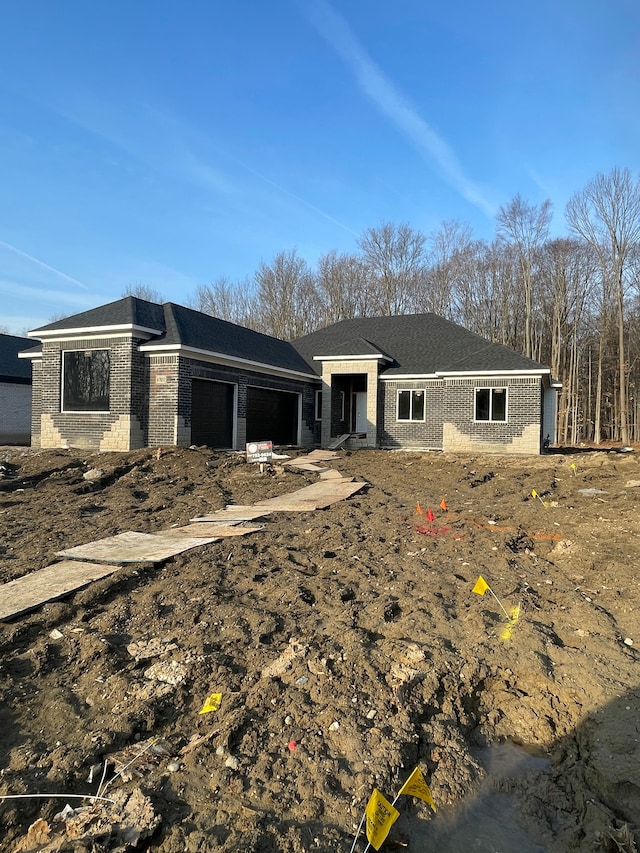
[42, 264]
[392, 103]
[298, 198]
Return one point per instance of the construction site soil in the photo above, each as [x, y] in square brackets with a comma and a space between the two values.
[347, 646]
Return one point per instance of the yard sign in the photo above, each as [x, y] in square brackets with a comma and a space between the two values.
[259, 451]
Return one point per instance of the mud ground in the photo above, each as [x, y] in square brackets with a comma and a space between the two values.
[347, 645]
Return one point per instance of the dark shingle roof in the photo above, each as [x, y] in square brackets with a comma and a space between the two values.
[356, 347]
[202, 331]
[13, 369]
[129, 311]
[177, 325]
[418, 344]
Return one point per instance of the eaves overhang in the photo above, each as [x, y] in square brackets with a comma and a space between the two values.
[225, 359]
[372, 356]
[445, 374]
[98, 331]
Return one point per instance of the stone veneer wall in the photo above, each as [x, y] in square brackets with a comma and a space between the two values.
[370, 370]
[122, 428]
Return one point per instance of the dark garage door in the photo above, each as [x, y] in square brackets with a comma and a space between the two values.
[272, 416]
[211, 413]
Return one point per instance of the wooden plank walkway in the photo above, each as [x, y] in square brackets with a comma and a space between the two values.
[34, 589]
[316, 496]
[233, 514]
[215, 529]
[86, 563]
[134, 547]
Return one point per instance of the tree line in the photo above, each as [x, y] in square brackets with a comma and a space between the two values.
[571, 303]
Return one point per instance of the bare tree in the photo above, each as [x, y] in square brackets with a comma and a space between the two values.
[526, 227]
[568, 279]
[341, 283]
[394, 256]
[143, 291]
[286, 301]
[450, 249]
[606, 214]
[226, 299]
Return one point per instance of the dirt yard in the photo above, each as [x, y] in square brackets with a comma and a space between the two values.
[346, 643]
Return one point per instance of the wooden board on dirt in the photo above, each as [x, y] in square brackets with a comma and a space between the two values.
[215, 529]
[339, 441]
[233, 514]
[321, 455]
[48, 584]
[331, 474]
[303, 465]
[134, 547]
[316, 496]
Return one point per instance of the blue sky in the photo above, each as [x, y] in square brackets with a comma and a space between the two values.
[170, 143]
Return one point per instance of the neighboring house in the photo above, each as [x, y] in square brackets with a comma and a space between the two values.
[134, 374]
[15, 391]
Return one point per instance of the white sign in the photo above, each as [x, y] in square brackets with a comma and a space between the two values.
[259, 451]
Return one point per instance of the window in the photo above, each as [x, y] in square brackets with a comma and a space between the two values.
[85, 380]
[491, 404]
[411, 405]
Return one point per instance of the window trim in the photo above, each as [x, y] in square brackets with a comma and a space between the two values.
[491, 389]
[63, 408]
[411, 419]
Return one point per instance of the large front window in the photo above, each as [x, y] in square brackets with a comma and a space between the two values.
[491, 404]
[85, 380]
[411, 405]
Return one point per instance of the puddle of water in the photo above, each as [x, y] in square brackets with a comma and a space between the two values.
[487, 820]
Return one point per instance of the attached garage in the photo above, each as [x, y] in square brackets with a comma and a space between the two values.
[272, 415]
[212, 406]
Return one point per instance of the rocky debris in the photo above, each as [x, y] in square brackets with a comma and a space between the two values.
[116, 826]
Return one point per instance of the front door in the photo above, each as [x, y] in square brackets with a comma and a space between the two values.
[360, 409]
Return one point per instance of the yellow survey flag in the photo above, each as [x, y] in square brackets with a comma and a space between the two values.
[415, 786]
[211, 703]
[481, 586]
[380, 816]
[534, 494]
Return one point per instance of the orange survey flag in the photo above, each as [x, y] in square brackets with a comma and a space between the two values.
[418, 508]
[443, 505]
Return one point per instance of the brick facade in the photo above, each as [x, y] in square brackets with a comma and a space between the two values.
[426, 434]
[123, 427]
[149, 398]
[449, 416]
